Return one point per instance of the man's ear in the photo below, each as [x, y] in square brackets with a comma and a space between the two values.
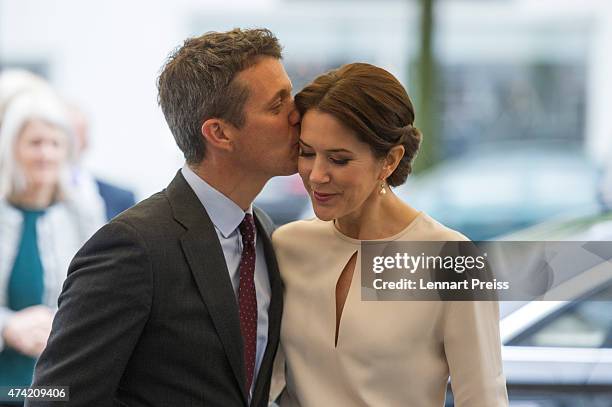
[218, 134]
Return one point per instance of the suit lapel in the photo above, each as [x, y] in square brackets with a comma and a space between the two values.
[205, 257]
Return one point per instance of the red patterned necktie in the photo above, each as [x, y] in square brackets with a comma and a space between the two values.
[247, 297]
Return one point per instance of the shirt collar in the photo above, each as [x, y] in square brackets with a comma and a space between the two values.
[223, 212]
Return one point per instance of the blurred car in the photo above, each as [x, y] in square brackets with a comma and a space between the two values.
[564, 349]
[559, 353]
[504, 187]
[283, 198]
[595, 226]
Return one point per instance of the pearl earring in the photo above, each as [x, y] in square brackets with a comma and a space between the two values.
[382, 188]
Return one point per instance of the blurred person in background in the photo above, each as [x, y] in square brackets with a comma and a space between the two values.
[92, 192]
[358, 140]
[114, 198]
[41, 227]
[15, 81]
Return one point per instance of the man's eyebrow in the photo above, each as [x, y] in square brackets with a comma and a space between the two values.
[332, 150]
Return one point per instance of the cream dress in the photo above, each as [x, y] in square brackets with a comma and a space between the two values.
[389, 353]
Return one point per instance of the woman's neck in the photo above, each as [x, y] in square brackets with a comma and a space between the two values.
[379, 217]
[35, 198]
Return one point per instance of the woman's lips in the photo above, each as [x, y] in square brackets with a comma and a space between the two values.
[321, 197]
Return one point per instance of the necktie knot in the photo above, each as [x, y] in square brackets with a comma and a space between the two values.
[247, 229]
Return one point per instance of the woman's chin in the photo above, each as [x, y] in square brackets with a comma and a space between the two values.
[43, 182]
[324, 215]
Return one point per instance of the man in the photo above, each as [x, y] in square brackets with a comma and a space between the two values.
[177, 301]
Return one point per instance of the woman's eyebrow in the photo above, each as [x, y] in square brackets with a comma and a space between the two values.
[331, 150]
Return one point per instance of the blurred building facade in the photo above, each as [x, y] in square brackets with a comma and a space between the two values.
[510, 69]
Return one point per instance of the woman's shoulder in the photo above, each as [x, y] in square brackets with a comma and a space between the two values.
[9, 215]
[5, 206]
[303, 230]
[77, 216]
[426, 228]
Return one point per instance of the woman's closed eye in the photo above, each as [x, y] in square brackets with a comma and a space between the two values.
[339, 161]
[336, 161]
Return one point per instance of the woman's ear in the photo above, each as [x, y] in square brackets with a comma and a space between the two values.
[392, 160]
[217, 134]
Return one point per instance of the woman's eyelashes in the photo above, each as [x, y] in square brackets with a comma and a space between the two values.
[336, 161]
[339, 161]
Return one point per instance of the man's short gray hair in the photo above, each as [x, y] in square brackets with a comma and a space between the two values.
[197, 84]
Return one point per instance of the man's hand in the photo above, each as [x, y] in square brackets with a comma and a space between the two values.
[27, 330]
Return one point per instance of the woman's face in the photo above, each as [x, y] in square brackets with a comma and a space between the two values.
[339, 171]
[41, 151]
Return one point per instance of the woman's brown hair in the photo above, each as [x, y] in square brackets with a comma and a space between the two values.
[371, 102]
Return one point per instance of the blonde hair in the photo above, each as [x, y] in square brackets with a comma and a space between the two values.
[25, 107]
[16, 81]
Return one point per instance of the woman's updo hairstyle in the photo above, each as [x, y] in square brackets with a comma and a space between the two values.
[371, 102]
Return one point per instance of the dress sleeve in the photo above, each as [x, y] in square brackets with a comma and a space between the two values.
[473, 351]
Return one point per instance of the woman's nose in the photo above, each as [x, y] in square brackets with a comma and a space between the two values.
[319, 173]
[47, 151]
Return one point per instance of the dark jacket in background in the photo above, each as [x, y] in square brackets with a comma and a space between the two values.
[116, 200]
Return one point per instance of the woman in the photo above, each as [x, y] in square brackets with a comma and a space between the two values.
[357, 140]
[41, 227]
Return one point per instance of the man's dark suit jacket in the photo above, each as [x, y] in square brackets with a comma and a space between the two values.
[148, 316]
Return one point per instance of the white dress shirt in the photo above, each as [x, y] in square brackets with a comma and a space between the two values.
[227, 216]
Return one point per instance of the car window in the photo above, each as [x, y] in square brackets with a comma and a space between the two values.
[586, 323]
